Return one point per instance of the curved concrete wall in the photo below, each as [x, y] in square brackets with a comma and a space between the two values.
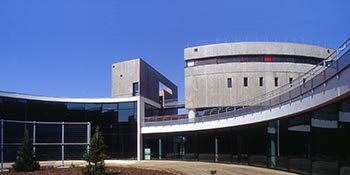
[206, 86]
[256, 48]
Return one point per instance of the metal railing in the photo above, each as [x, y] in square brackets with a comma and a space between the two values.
[165, 118]
[295, 90]
[51, 140]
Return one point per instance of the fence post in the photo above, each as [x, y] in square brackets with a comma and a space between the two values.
[2, 144]
[34, 137]
[88, 135]
[62, 144]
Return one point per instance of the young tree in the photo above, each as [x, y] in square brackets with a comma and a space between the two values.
[96, 155]
[25, 160]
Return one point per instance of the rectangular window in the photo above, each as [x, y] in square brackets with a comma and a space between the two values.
[245, 81]
[135, 89]
[290, 81]
[276, 81]
[190, 63]
[229, 82]
[261, 81]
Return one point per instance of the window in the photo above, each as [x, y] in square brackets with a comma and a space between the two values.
[245, 81]
[135, 89]
[229, 82]
[276, 81]
[261, 81]
[190, 63]
[290, 81]
[267, 58]
[304, 80]
[196, 50]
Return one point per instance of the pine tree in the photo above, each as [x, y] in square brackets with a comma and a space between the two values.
[96, 155]
[25, 160]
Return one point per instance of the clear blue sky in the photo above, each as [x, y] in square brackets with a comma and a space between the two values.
[66, 47]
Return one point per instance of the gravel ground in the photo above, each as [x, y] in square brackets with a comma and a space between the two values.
[76, 171]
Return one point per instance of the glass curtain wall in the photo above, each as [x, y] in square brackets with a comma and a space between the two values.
[315, 142]
[117, 121]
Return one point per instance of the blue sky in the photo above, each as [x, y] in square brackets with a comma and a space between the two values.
[66, 48]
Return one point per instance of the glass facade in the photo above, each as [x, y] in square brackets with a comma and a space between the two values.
[117, 121]
[253, 58]
[316, 142]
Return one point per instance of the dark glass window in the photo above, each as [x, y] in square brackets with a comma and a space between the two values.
[191, 146]
[299, 143]
[276, 81]
[93, 112]
[344, 130]
[253, 58]
[151, 110]
[229, 59]
[290, 81]
[206, 149]
[261, 81]
[223, 145]
[229, 82]
[14, 109]
[1, 104]
[48, 111]
[75, 111]
[135, 89]
[205, 61]
[109, 114]
[127, 112]
[245, 81]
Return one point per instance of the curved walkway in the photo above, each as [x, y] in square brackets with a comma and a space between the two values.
[183, 167]
[198, 168]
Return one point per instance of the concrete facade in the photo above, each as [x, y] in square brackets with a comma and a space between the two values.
[126, 73]
[256, 48]
[206, 86]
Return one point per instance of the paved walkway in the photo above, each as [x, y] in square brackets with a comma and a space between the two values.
[199, 168]
[185, 167]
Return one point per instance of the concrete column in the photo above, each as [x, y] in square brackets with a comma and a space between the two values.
[191, 114]
[140, 113]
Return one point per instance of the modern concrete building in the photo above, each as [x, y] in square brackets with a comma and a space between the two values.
[243, 70]
[136, 78]
[276, 105]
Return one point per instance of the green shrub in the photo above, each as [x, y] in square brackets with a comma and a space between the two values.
[95, 156]
[25, 160]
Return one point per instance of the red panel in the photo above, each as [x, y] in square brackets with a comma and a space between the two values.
[267, 58]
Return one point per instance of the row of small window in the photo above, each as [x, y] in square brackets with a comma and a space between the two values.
[253, 58]
[261, 82]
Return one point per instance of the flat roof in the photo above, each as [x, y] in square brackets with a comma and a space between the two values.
[256, 48]
[65, 99]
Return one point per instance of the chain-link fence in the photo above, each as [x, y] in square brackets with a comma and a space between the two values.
[51, 140]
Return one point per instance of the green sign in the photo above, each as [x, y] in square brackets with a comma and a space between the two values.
[147, 153]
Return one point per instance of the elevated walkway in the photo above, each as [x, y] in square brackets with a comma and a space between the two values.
[327, 82]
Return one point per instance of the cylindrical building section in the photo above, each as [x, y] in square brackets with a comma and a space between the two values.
[225, 74]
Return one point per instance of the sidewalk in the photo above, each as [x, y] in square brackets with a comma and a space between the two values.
[186, 167]
[199, 168]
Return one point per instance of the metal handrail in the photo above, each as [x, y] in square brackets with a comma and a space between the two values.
[286, 93]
